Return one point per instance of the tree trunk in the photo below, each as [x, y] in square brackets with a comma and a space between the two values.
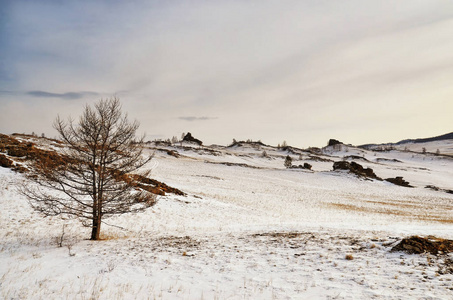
[95, 231]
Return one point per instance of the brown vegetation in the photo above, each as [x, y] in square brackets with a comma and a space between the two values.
[36, 157]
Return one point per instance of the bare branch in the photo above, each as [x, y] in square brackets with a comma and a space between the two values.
[89, 182]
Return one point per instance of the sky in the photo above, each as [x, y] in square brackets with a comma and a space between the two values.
[299, 71]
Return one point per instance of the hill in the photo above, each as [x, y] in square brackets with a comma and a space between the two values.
[247, 227]
[442, 144]
[448, 136]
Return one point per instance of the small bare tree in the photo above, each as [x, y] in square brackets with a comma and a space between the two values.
[288, 161]
[92, 181]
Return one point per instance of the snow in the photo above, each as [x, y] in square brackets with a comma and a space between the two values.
[243, 232]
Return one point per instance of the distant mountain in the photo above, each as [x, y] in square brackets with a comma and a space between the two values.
[448, 136]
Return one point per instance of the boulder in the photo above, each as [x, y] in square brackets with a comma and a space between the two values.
[307, 166]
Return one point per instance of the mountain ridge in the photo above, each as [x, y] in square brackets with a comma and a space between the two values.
[447, 136]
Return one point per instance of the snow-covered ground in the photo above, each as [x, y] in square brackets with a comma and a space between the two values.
[248, 229]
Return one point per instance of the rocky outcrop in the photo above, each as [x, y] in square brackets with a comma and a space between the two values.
[189, 138]
[22, 154]
[355, 168]
[418, 245]
[399, 181]
[435, 188]
[333, 142]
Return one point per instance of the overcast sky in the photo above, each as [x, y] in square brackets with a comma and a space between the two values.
[301, 71]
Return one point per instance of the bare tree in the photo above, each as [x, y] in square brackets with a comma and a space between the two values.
[94, 178]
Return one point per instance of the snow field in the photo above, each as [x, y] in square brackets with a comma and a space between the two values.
[241, 233]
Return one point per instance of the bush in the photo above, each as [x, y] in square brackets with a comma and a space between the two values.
[288, 161]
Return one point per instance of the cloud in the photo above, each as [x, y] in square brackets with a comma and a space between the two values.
[65, 96]
[265, 70]
[191, 119]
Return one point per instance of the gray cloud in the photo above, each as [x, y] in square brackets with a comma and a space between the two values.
[191, 119]
[65, 96]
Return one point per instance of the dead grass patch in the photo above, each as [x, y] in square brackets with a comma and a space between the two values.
[413, 215]
[349, 257]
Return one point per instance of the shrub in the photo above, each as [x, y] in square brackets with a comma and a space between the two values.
[288, 161]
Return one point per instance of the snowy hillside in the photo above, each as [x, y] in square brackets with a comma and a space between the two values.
[249, 228]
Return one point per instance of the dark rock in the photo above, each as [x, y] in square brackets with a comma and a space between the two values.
[435, 188]
[333, 142]
[432, 187]
[189, 138]
[355, 168]
[399, 181]
[305, 166]
[341, 165]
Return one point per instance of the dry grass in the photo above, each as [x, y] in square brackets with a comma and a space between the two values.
[113, 236]
[428, 213]
[349, 257]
